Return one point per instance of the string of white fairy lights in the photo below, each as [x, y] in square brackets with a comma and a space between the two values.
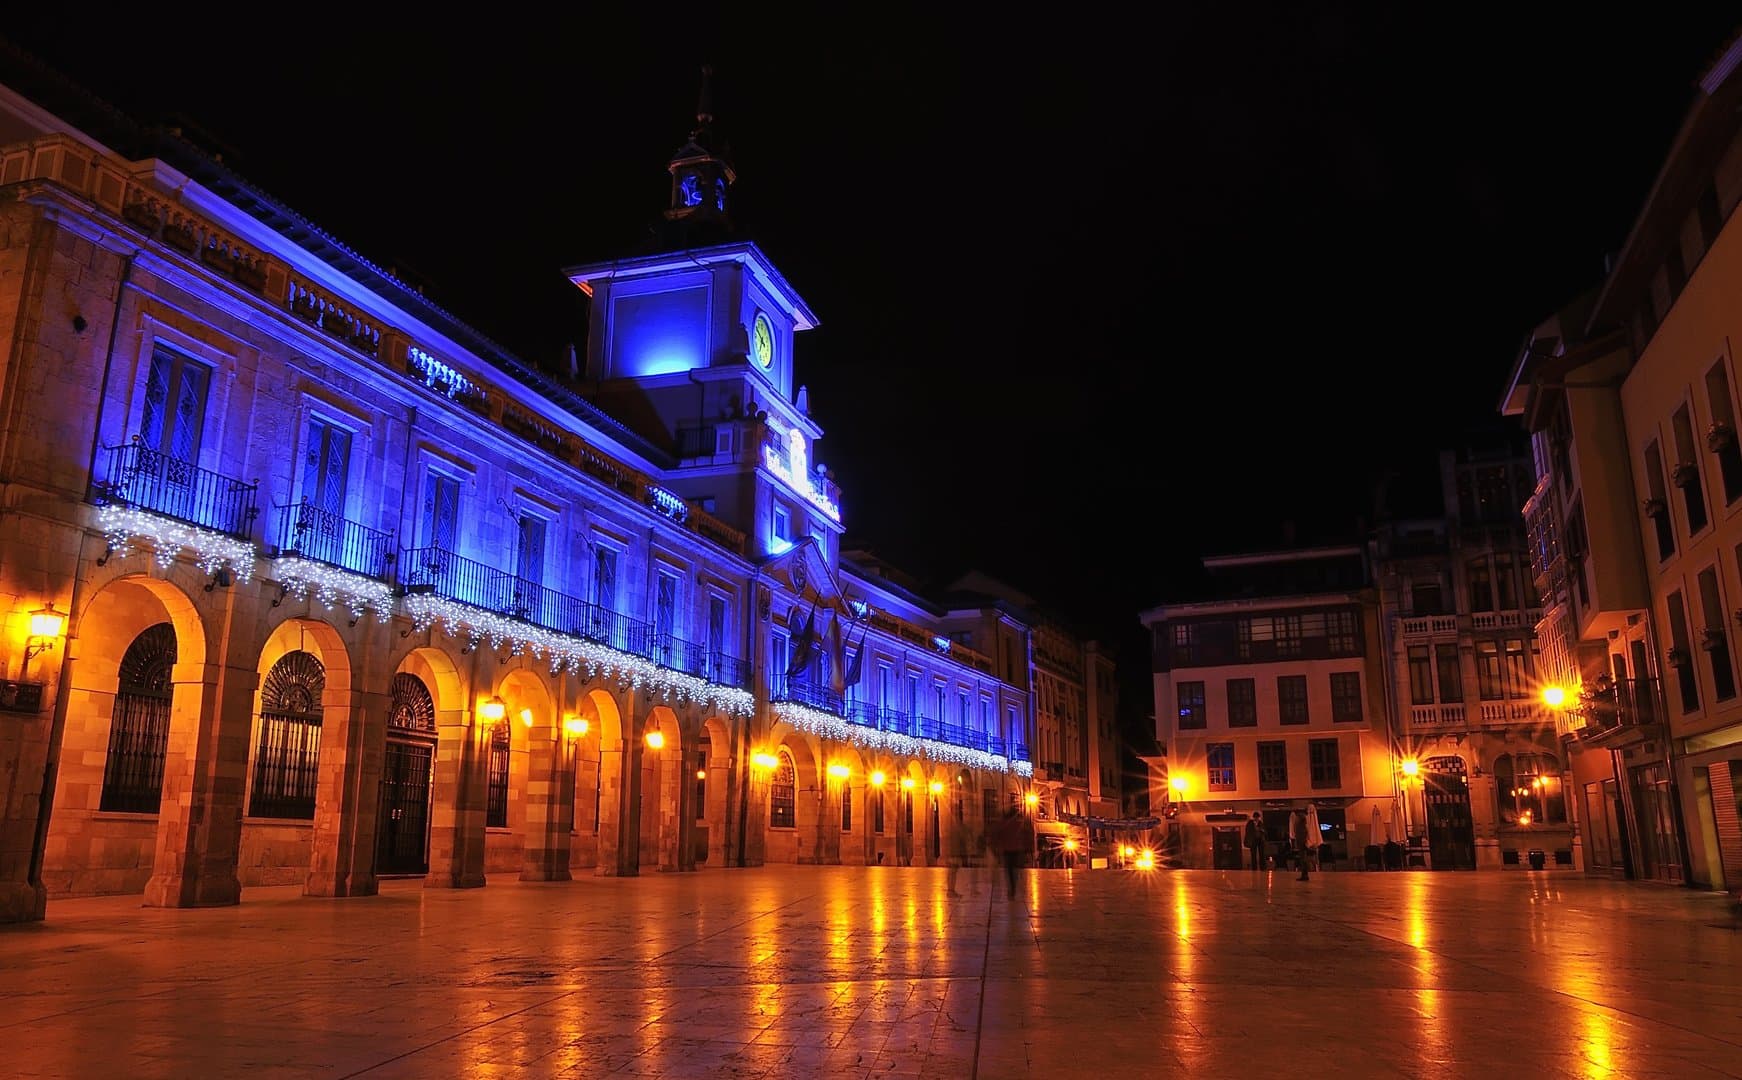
[124, 525]
[829, 726]
[333, 587]
[588, 659]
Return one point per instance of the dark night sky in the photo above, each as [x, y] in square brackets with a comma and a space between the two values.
[1095, 299]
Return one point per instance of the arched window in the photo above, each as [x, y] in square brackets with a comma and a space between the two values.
[413, 710]
[286, 764]
[139, 727]
[783, 794]
[496, 804]
[1529, 789]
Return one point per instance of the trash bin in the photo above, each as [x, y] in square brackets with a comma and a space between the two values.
[1537, 859]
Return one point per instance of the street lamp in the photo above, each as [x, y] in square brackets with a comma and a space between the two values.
[493, 710]
[46, 625]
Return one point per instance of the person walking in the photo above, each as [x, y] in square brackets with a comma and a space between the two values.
[1298, 841]
[963, 846]
[1014, 840]
[1255, 839]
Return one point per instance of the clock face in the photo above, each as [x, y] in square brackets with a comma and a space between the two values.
[762, 342]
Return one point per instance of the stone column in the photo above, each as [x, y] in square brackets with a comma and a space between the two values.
[550, 806]
[829, 823]
[456, 835]
[673, 809]
[348, 797]
[619, 834]
[205, 771]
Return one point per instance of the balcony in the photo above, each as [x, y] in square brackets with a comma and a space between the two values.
[709, 665]
[1421, 626]
[801, 691]
[145, 479]
[317, 534]
[1501, 620]
[1619, 714]
[1437, 716]
[1504, 713]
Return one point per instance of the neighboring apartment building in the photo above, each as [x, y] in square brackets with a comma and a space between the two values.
[1630, 396]
[309, 582]
[1458, 610]
[1268, 696]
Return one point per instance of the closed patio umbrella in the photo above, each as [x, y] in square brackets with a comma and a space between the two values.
[1376, 831]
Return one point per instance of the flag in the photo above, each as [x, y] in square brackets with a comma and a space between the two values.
[837, 669]
[856, 664]
[803, 640]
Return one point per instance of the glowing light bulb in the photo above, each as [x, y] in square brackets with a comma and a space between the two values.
[1411, 766]
[1554, 697]
[877, 778]
[1179, 784]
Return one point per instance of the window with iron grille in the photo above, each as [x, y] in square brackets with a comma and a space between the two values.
[783, 794]
[1273, 766]
[139, 724]
[1345, 696]
[1220, 759]
[1242, 703]
[1327, 764]
[1191, 705]
[1291, 698]
[286, 764]
[496, 792]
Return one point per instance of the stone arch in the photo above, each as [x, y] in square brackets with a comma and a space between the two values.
[663, 796]
[598, 779]
[846, 806]
[712, 794]
[531, 727]
[301, 729]
[456, 837]
[91, 851]
[792, 836]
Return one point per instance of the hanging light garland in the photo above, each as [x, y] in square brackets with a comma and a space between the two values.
[123, 525]
[333, 587]
[588, 659]
[829, 726]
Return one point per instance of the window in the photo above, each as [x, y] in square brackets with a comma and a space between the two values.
[939, 699]
[783, 794]
[1451, 678]
[779, 651]
[286, 764]
[604, 577]
[1273, 766]
[1657, 502]
[1686, 474]
[1343, 633]
[913, 693]
[174, 412]
[1221, 765]
[1488, 670]
[1518, 683]
[1291, 698]
[1425, 600]
[717, 642]
[1528, 787]
[1346, 697]
[782, 528]
[1421, 687]
[496, 790]
[139, 724]
[1185, 644]
[886, 687]
[1714, 638]
[1242, 703]
[1481, 585]
[441, 510]
[1505, 582]
[1681, 654]
[1722, 436]
[1327, 764]
[326, 468]
[529, 549]
[664, 615]
[964, 709]
[1191, 705]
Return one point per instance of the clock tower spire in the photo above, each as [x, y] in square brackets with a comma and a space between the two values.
[701, 169]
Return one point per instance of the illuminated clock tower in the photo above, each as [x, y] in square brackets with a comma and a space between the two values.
[690, 343]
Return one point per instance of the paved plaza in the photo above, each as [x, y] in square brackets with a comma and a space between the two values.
[798, 971]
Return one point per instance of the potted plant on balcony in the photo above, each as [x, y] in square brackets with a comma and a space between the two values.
[1656, 507]
[1720, 437]
[1678, 657]
[1712, 638]
[1684, 474]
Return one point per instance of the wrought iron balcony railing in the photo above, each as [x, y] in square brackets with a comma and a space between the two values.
[1630, 703]
[313, 533]
[806, 692]
[455, 577]
[138, 476]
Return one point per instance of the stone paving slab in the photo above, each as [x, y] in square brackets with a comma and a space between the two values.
[877, 972]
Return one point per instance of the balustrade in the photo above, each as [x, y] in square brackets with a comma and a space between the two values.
[313, 533]
[138, 476]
